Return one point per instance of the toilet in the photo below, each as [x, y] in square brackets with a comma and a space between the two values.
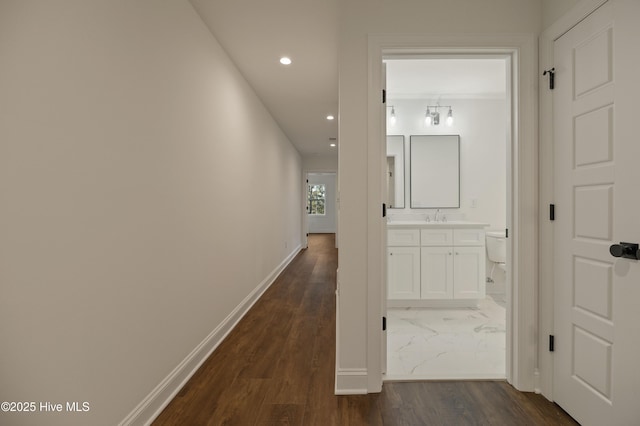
[496, 250]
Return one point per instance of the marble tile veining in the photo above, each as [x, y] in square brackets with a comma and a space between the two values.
[467, 343]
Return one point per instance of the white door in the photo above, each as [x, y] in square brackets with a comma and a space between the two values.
[383, 235]
[597, 296]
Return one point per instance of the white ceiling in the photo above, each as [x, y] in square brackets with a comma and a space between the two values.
[256, 33]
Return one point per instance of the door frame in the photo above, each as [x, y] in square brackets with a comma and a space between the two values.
[522, 319]
[305, 212]
[546, 271]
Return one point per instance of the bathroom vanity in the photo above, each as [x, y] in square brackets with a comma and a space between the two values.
[435, 264]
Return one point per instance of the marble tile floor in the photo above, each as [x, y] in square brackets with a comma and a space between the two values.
[447, 344]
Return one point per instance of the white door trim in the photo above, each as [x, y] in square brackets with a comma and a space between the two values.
[546, 291]
[522, 347]
[305, 216]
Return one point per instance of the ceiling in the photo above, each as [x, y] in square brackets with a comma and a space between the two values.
[257, 33]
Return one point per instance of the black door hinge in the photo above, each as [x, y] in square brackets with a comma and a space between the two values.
[384, 210]
[506, 233]
[552, 73]
[552, 342]
[384, 323]
[552, 212]
[384, 96]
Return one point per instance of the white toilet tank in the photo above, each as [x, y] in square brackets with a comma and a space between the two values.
[496, 246]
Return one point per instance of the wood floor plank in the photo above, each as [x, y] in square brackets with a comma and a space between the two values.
[277, 367]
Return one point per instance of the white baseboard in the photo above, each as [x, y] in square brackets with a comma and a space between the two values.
[161, 396]
[351, 381]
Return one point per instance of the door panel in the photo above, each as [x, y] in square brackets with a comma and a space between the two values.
[595, 353]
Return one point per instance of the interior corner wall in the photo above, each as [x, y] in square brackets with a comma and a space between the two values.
[359, 19]
[137, 177]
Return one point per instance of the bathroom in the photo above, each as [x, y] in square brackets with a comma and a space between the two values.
[462, 103]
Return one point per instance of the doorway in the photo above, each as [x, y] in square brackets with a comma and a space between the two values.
[321, 202]
[521, 344]
[468, 98]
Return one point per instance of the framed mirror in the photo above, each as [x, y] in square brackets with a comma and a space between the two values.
[435, 171]
[395, 171]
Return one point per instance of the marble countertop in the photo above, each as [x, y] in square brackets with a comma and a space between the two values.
[425, 224]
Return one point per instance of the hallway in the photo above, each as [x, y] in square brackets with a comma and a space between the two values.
[277, 367]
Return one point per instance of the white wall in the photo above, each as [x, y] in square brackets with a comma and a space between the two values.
[133, 157]
[481, 124]
[359, 19]
[326, 223]
[320, 163]
[554, 9]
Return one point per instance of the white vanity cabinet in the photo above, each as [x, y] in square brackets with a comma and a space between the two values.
[452, 263]
[450, 268]
[403, 264]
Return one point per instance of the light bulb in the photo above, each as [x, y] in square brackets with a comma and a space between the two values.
[427, 118]
[450, 118]
[392, 119]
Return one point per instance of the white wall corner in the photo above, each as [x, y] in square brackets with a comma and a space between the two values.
[153, 404]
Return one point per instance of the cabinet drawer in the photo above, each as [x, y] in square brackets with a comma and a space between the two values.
[436, 237]
[403, 237]
[468, 237]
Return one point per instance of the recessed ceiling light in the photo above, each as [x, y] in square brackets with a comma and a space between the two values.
[332, 145]
[330, 117]
[285, 61]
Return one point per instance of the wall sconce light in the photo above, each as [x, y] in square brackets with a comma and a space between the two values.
[392, 116]
[433, 117]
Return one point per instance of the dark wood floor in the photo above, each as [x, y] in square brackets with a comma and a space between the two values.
[277, 368]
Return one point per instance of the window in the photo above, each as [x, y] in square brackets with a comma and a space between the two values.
[317, 199]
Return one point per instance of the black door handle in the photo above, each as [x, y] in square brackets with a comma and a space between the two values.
[626, 250]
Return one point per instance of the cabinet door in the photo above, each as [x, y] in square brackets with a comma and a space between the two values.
[436, 265]
[403, 272]
[469, 273]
